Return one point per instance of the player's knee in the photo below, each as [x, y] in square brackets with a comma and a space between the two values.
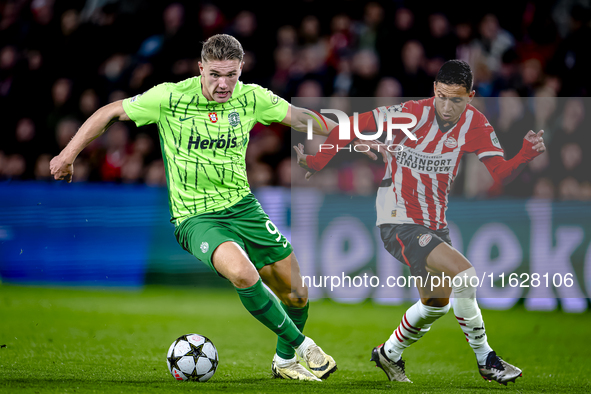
[435, 310]
[243, 275]
[243, 283]
[464, 284]
[230, 261]
[296, 298]
[296, 302]
[447, 260]
[432, 301]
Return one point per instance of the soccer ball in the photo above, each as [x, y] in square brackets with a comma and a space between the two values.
[192, 357]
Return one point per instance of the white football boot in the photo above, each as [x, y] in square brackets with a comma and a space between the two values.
[294, 371]
[319, 363]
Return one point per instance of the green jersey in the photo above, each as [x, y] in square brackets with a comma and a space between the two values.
[204, 142]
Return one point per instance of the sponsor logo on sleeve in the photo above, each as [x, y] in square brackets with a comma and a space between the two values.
[495, 140]
[397, 107]
[274, 98]
[204, 247]
[134, 98]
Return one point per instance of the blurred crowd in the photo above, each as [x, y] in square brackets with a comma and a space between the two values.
[62, 60]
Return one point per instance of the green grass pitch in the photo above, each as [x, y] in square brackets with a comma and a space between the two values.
[90, 341]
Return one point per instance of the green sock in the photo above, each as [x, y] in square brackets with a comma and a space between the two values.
[265, 308]
[299, 317]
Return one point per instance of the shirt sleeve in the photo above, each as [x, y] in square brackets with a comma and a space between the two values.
[144, 108]
[504, 171]
[270, 108]
[483, 140]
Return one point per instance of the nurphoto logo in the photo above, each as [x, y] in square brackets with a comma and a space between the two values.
[345, 125]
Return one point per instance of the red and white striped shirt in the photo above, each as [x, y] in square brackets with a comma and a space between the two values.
[418, 178]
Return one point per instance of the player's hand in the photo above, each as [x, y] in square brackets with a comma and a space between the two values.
[301, 158]
[537, 140]
[376, 145]
[61, 169]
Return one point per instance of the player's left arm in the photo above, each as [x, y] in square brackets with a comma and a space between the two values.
[297, 118]
[271, 108]
[504, 171]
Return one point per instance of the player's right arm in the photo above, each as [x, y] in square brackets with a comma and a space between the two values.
[142, 109]
[62, 166]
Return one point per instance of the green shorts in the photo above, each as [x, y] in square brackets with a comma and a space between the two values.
[244, 223]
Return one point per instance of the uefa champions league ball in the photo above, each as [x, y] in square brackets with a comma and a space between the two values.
[192, 357]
